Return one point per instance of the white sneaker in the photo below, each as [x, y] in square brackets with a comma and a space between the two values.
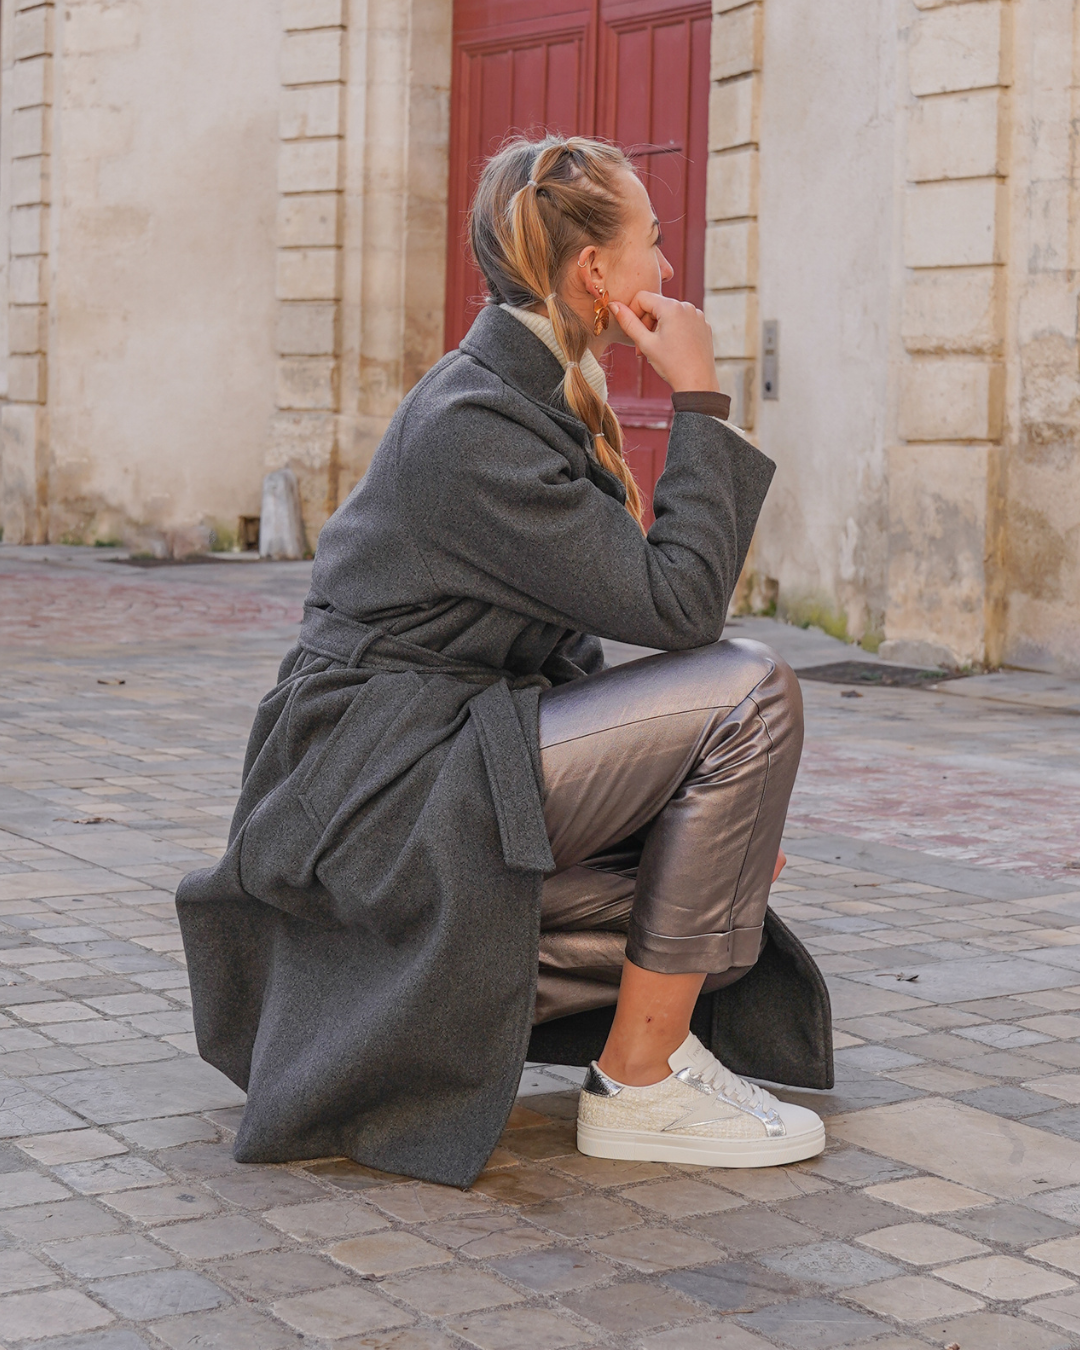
[702, 1113]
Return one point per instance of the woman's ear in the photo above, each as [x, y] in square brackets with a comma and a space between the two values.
[588, 269]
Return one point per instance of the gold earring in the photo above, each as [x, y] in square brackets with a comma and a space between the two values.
[601, 313]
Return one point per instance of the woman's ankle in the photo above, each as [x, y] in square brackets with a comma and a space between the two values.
[634, 1072]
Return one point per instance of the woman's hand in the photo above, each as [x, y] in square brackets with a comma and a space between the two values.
[673, 336]
[781, 863]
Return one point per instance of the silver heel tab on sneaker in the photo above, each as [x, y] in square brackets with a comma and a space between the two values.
[599, 1084]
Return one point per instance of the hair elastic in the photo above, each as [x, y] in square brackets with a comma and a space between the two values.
[532, 183]
[576, 365]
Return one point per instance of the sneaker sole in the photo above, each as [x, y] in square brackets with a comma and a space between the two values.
[650, 1146]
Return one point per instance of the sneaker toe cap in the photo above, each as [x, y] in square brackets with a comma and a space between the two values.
[799, 1120]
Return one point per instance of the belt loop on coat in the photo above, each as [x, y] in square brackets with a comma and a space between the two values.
[361, 647]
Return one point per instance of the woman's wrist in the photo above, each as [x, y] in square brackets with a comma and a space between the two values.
[708, 401]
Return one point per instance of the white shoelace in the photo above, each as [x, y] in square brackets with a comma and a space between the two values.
[730, 1085]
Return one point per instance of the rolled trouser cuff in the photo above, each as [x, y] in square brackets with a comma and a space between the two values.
[708, 952]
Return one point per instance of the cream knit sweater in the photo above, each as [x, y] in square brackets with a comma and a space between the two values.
[541, 325]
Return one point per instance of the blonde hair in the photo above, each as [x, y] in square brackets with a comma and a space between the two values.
[537, 205]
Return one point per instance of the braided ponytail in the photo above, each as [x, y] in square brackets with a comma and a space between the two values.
[538, 204]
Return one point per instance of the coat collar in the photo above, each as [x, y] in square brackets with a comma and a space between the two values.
[505, 346]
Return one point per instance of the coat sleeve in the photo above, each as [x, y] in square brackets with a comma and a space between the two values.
[499, 516]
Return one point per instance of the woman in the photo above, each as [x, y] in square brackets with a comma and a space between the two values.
[372, 953]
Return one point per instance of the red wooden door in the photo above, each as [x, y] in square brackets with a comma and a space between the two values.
[634, 71]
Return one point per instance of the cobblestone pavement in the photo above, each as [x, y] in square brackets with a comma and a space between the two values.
[929, 850]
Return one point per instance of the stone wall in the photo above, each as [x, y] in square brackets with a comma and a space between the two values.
[140, 160]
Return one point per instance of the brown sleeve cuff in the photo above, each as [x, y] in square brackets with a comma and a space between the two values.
[702, 401]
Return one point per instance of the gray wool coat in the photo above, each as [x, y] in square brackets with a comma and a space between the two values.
[363, 957]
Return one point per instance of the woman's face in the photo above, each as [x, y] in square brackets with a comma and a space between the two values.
[632, 263]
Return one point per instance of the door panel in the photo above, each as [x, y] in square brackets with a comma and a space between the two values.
[635, 72]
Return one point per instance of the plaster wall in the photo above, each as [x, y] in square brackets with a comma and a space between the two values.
[827, 221]
[161, 253]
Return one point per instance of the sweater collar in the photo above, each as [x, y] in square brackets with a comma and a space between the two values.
[544, 329]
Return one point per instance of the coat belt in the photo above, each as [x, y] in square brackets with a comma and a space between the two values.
[511, 771]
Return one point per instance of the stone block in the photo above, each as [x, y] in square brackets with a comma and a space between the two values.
[159, 1293]
[958, 47]
[71, 1146]
[92, 1258]
[26, 378]
[312, 58]
[333, 1314]
[103, 1176]
[56, 1312]
[733, 316]
[939, 518]
[737, 380]
[951, 400]
[309, 166]
[304, 440]
[29, 230]
[33, 32]
[736, 42]
[20, 1270]
[722, 6]
[30, 181]
[306, 329]
[954, 224]
[32, 82]
[94, 29]
[281, 527]
[309, 274]
[309, 221]
[954, 310]
[956, 136]
[731, 255]
[732, 185]
[307, 382]
[311, 110]
[30, 128]
[297, 15]
[733, 113]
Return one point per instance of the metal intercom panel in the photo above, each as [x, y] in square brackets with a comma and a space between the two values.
[770, 359]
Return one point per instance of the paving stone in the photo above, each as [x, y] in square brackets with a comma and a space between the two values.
[922, 1244]
[422, 1204]
[518, 1329]
[813, 1324]
[772, 1183]
[387, 1253]
[399, 1338]
[1007, 1064]
[208, 1239]
[632, 1307]
[1064, 1204]
[54, 1312]
[24, 1111]
[1062, 1087]
[555, 1270]
[853, 1167]
[552, 1140]
[993, 1331]
[67, 1219]
[939, 1078]
[681, 1196]
[840, 1213]
[71, 1146]
[226, 1329]
[264, 1188]
[96, 1340]
[325, 1219]
[523, 1186]
[335, 1313]
[442, 1291]
[877, 1057]
[167, 1132]
[731, 1285]
[582, 1216]
[754, 1230]
[18, 1189]
[95, 1257]
[1013, 1225]
[105, 1175]
[158, 1204]
[29, 1063]
[914, 1298]
[833, 1264]
[211, 1159]
[1003, 1278]
[1063, 1310]
[727, 1335]
[1062, 1252]
[161, 1293]
[1015, 1102]
[20, 1270]
[1064, 1121]
[486, 1235]
[651, 1249]
[927, 1195]
[347, 1175]
[136, 1092]
[272, 1275]
[608, 1171]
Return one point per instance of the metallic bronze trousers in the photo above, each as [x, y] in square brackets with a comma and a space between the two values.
[666, 787]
